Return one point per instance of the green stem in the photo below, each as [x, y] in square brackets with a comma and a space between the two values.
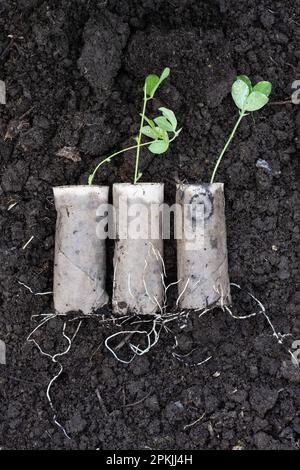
[137, 158]
[242, 114]
[107, 159]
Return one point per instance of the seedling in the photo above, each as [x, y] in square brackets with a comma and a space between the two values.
[247, 99]
[161, 130]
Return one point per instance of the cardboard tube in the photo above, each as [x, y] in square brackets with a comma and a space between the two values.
[80, 256]
[138, 266]
[202, 263]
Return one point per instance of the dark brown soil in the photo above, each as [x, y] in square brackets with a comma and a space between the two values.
[74, 72]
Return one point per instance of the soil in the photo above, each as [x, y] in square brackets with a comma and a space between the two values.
[73, 72]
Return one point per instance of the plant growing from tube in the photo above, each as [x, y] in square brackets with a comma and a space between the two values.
[162, 130]
[203, 270]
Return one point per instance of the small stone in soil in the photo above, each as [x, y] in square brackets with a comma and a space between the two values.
[70, 153]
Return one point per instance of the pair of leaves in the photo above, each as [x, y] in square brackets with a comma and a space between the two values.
[158, 130]
[167, 122]
[153, 81]
[248, 98]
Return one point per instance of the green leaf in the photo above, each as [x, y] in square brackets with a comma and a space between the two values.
[240, 92]
[165, 74]
[159, 146]
[245, 79]
[163, 123]
[165, 136]
[149, 132]
[255, 101]
[162, 134]
[168, 113]
[263, 87]
[152, 82]
[90, 180]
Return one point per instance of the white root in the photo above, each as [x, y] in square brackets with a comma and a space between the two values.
[162, 263]
[46, 317]
[181, 358]
[129, 285]
[279, 336]
[158, 257]
[32, 292]
[132, 247]
[182, 292]
[194, 422]
[28, 242]
[158, 322]
[54, 360]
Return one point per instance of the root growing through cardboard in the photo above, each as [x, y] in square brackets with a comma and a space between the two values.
[146, 329]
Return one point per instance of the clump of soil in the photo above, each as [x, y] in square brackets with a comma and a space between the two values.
[72, 71]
